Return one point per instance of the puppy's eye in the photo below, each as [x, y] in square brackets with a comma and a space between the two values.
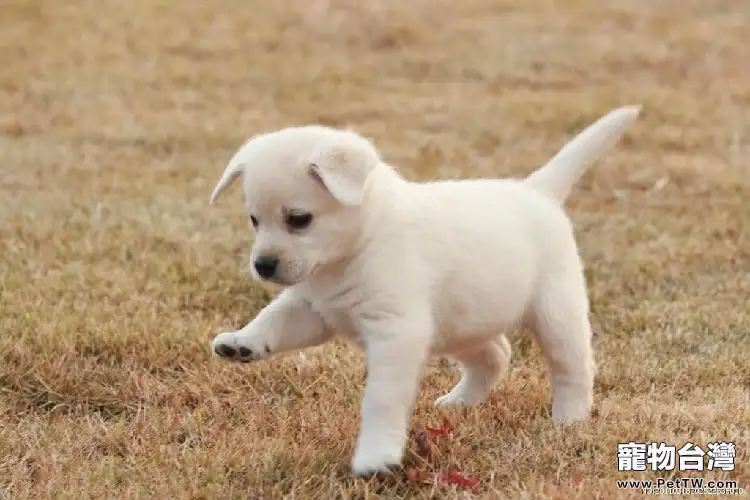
[253, 221]
[299, 220]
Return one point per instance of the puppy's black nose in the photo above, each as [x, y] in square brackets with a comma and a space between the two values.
[266, 266]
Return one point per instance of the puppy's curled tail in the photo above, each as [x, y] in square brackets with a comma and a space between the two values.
[557, 177]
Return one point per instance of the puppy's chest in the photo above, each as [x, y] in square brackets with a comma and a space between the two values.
[335, 300]
[341, 323]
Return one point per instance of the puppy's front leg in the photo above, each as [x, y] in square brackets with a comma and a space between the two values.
[288, 323]
[396, 351]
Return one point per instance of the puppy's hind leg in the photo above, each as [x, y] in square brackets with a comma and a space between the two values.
[561, 323]
[481, 369]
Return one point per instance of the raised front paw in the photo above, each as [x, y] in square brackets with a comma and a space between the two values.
[237, 346]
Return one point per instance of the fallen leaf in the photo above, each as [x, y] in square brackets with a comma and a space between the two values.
[455, 477]
[442, 431]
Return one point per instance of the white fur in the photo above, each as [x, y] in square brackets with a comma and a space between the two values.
[412, 270]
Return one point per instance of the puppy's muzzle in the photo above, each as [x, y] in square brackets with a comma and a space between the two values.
[266, 266]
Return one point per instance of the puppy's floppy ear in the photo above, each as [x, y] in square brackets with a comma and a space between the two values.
[342, 164]
[234, 168]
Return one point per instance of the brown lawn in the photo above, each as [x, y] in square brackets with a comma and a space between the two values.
[117, 118]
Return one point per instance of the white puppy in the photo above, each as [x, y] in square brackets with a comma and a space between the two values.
[410, 270]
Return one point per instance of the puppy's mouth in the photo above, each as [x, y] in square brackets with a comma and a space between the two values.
[279, 280]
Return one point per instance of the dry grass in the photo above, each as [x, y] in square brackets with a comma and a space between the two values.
[116, 119]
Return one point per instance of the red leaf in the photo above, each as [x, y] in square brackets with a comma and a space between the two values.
[442, 431]
[455, 477]
[445, 478]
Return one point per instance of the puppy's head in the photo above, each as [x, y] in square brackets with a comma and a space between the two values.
[303, 190]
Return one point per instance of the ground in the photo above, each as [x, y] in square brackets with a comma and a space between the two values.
[117, 118]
